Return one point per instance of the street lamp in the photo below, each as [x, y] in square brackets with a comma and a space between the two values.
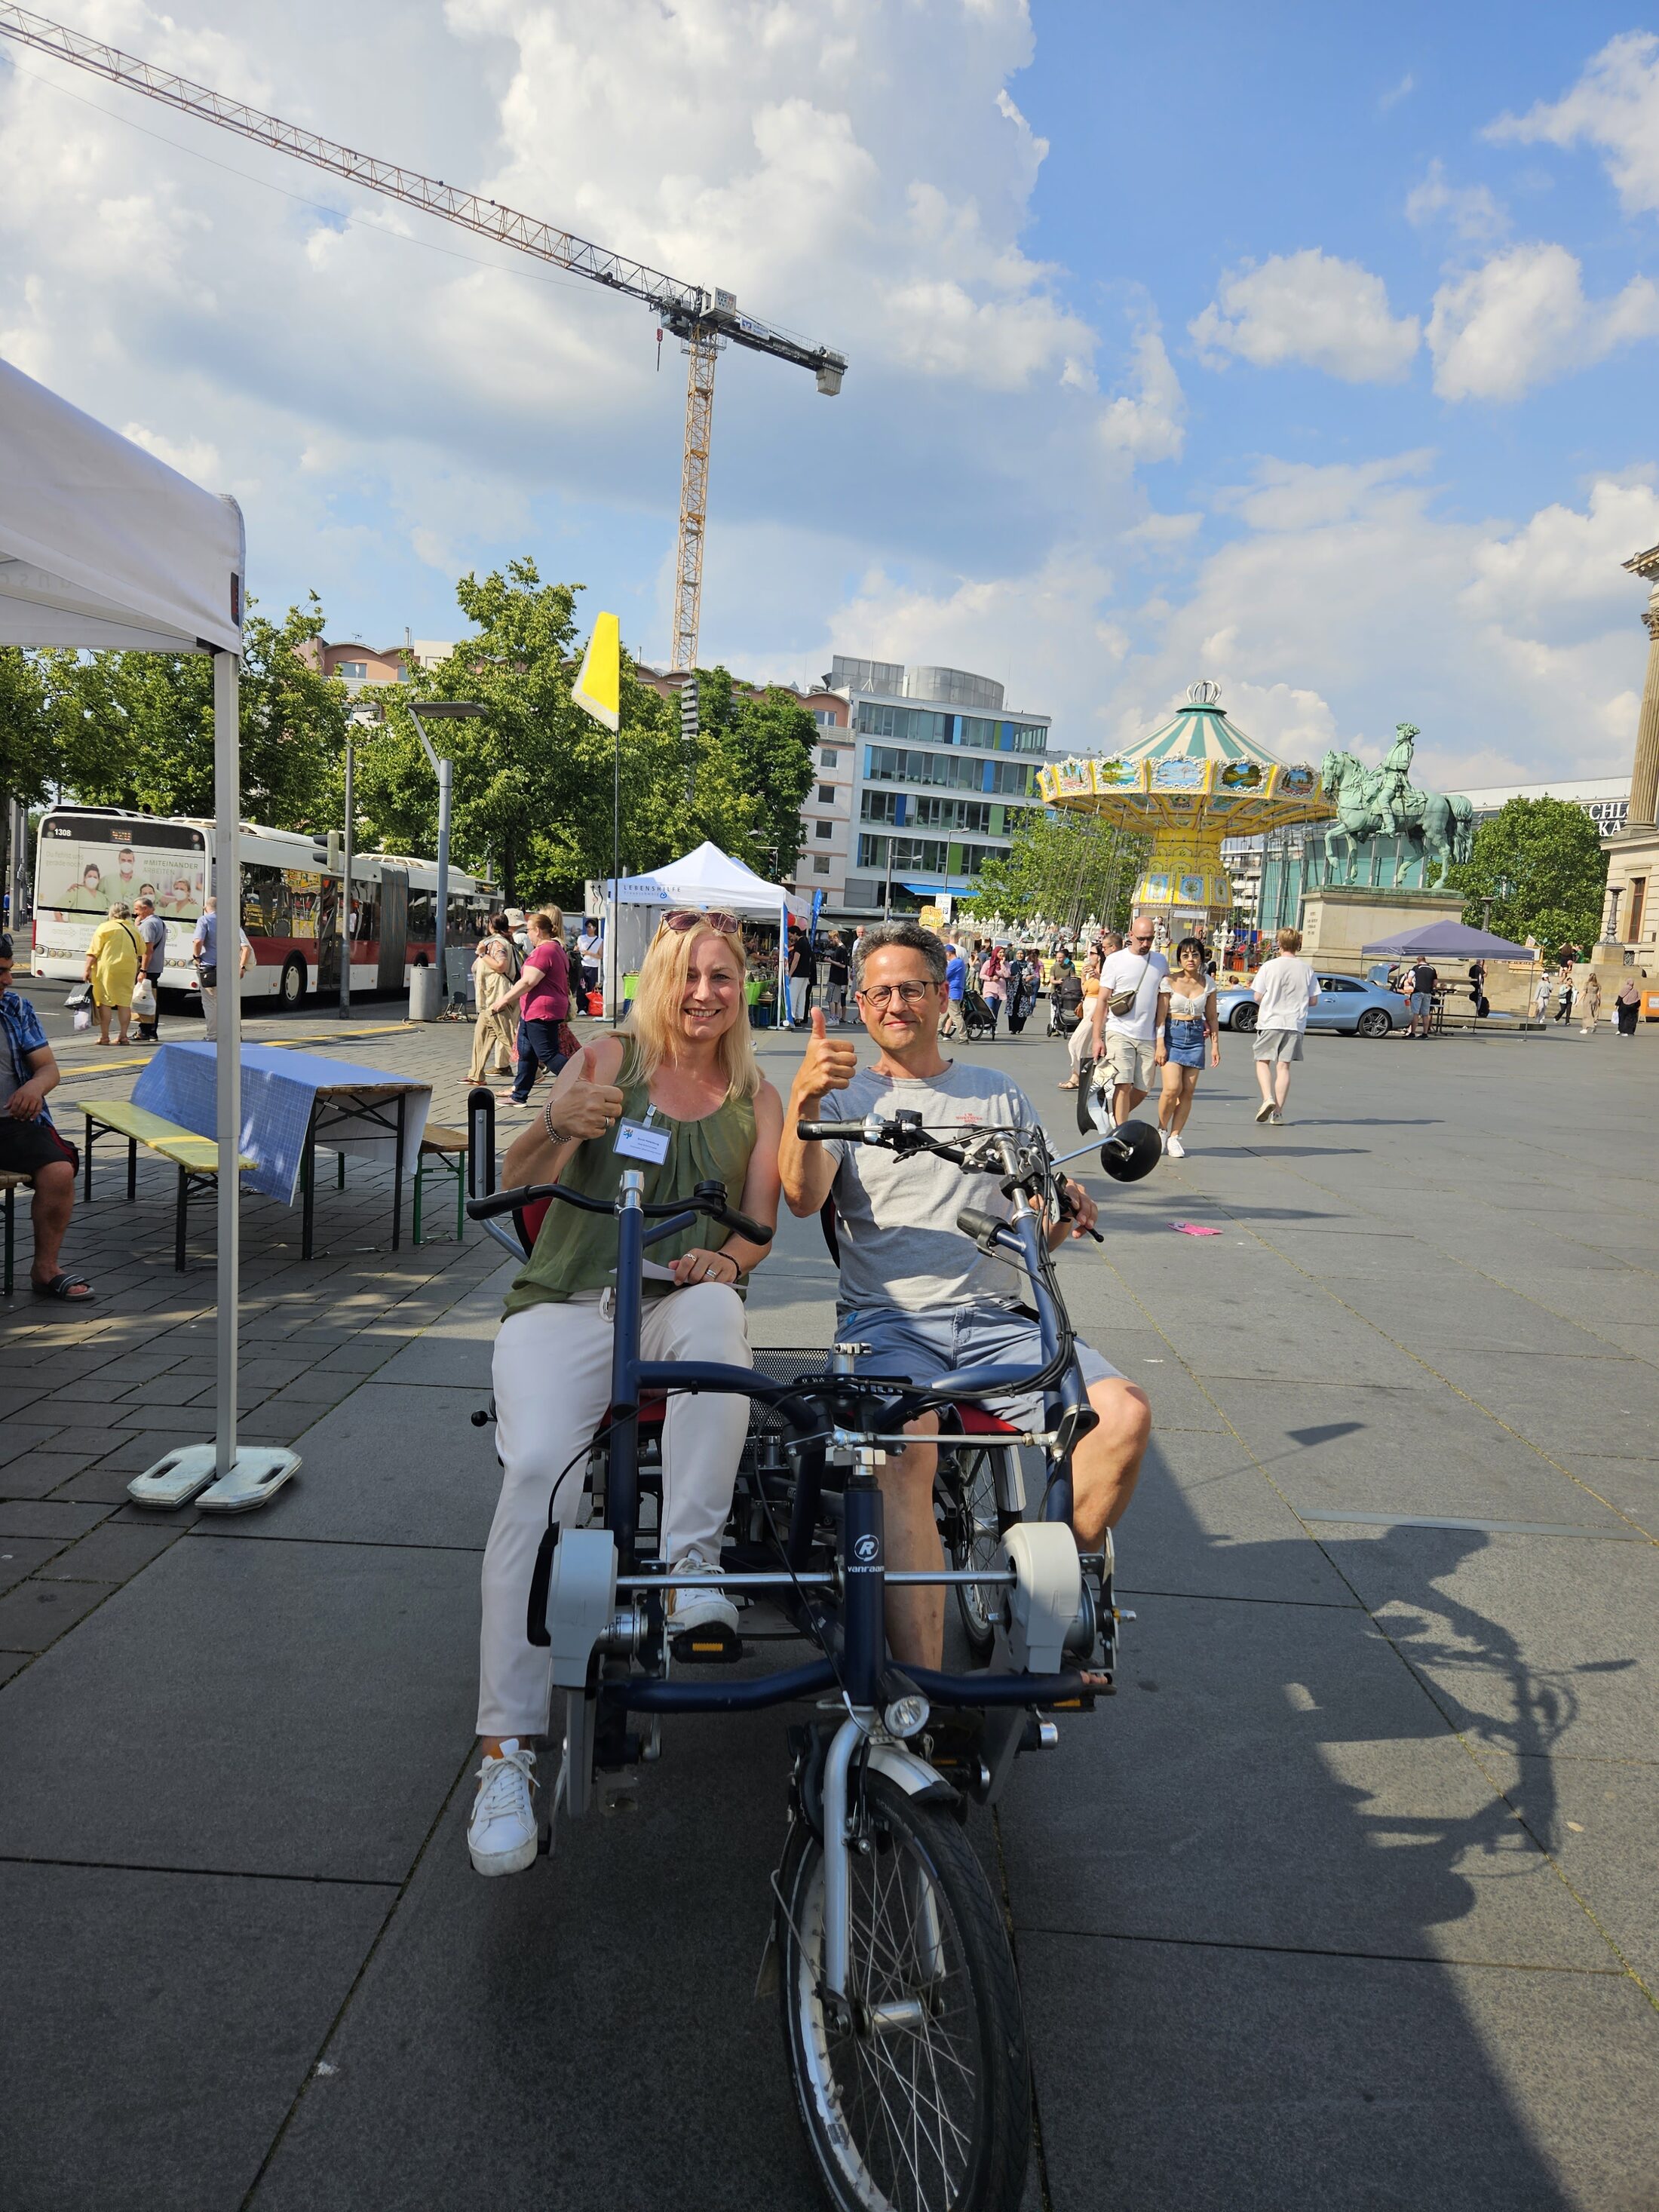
[442, 710]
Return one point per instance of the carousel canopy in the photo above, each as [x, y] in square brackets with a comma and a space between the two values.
[1197, 772]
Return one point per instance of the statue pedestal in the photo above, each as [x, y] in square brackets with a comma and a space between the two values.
[1337, 919]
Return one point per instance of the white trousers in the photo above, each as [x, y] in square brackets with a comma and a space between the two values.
[209, 1012]
[797, 997]
[552, 1385]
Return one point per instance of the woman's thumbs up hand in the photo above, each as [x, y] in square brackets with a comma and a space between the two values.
[588, 1108]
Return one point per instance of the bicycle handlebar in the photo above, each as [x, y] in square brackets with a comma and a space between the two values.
[708, 1198]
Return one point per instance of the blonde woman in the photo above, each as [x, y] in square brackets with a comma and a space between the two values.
[1589, 1004]
[1186, 1023]
[112, 962]
[685, 1066]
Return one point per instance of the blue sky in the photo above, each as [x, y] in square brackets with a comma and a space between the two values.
[1248, 343]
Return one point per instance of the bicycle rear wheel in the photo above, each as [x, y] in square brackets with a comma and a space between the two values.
[977, 1518]
[918, 2098]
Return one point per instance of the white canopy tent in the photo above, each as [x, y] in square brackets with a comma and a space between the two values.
[103, 546]
[707, 880]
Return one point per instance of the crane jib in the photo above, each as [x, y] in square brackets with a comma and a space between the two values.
[703, 319]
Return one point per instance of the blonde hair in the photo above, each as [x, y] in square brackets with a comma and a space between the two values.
[554, 917]
[1290, 940]
[654, 1026]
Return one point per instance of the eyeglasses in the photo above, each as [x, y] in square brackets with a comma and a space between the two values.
[684, 917]
[908, 994]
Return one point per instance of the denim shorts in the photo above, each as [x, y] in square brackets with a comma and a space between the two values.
[927, 1348]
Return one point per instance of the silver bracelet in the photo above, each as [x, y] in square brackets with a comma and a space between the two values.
[554, 1136]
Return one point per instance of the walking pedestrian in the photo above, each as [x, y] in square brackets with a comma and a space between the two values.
[204, 950]
[1589, 1004]
[588, 948]
[494, 973]
[1283, 989]
[113, 959]
[1627, 1006]
[838, 959]
[1186, 1020]
[1541, 997]
[803, 973]
[1065, 996]
[146, 991]
[1564, 1003]
[956, 983]
[1422, 979]
[993, 984]
[1126, 1022]
[1022, 989]
[543, 992]
[1478, 989]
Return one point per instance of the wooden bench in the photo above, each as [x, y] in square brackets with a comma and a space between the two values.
[196, 1159]
[448, 1148]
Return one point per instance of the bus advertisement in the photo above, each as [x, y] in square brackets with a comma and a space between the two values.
[89, 857]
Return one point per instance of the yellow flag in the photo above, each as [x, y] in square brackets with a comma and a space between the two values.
[598, 687]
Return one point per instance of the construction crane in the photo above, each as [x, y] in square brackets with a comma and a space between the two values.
[704, 320]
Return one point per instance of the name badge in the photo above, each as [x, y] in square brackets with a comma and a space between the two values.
[634, 1141]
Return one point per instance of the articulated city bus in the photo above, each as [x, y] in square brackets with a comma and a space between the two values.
[87, 857]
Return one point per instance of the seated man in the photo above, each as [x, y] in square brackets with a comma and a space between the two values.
[29, 1143]
[926, 1300]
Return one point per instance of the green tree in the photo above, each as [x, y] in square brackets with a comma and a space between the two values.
[30, 747]
[135, 729]
[1549, 853]
[1061, 866]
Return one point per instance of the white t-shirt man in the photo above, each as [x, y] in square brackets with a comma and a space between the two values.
[1140, 973]
[1285, 988]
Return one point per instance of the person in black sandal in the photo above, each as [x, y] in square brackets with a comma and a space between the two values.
[29, 1143]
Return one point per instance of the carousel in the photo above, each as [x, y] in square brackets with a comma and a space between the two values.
[1193, 782]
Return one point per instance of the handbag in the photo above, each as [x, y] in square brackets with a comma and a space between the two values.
[80, 996]
[1121, 1001]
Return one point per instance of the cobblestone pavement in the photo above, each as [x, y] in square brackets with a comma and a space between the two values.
[1346, 1899]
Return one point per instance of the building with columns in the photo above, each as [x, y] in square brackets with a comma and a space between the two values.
[1630, 923]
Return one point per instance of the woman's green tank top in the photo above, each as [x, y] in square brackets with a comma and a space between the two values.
[577, 1251]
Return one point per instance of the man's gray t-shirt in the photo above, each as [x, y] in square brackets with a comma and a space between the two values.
[154, 931]
[918, 1260]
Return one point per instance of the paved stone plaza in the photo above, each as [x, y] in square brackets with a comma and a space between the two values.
[1346, 1900]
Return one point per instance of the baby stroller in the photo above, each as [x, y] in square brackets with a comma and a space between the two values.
[978, 1016]
[1061, 1022]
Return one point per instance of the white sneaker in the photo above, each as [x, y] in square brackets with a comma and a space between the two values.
[1264, 1113]
[1276, 1117]
[500, 1836]
[1176, 1149]
[697, 1608]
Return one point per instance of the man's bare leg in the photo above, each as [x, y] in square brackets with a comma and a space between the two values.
[1106, 1465]
[54, 1201]
[915, 1615]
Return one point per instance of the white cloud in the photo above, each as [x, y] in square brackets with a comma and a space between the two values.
[1147, 425]
[1615, 106]
[1392, 98]
[1470, 210]
[1523, 319]
[1308, 307]
[194, 457]
[1560, 577]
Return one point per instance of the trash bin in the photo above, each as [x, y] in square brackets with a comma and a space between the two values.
[425, 997]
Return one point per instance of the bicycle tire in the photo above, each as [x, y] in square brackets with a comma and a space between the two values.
[978, 1520]
[959, 2069]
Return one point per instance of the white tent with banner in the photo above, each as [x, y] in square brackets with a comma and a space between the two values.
[103, 547]
[707, 880]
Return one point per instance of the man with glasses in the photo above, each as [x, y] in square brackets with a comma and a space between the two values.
[922, 1295]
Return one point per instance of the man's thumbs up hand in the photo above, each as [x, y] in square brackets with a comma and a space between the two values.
[830, 1065]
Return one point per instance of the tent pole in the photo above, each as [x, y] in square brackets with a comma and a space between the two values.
[226, 797]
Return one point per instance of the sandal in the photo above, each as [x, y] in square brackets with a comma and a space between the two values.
[75, 1290]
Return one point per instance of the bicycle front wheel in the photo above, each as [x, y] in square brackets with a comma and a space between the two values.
[915, 2096]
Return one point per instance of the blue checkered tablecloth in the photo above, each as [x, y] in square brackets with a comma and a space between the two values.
[279, 1088]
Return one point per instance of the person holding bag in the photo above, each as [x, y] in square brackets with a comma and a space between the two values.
[113, 959]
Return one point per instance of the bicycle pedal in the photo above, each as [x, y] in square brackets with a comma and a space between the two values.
[714, 1646]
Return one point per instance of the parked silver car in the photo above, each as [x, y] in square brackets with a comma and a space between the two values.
[1344, 1003]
